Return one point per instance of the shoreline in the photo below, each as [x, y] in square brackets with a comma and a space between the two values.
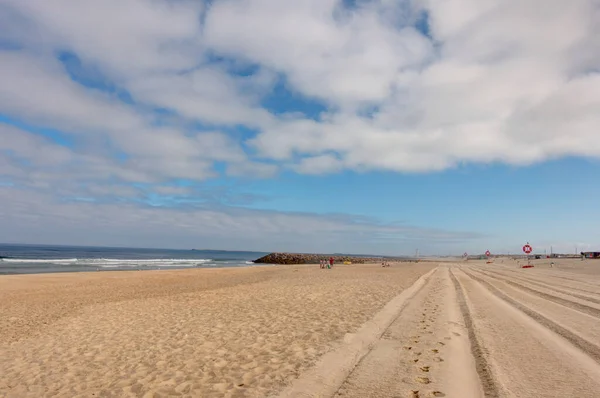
[50, 270]
[210, 267]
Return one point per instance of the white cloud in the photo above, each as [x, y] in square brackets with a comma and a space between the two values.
[37, 89]
[208, 94]
[33, 216]
[340, 57]
[492, 81]
[504, 81]
[124, 38]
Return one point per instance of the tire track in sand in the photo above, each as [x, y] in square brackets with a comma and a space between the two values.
[488, 382]
[527, 359]
[579, 281]
[331, 371]
[424, 353]
[588, 348]
[583, 325]
[568, 290]
[586, 309]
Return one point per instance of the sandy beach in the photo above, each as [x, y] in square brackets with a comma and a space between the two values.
[213, 332]
[432, 329]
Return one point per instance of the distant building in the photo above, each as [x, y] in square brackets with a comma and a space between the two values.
[591, 254]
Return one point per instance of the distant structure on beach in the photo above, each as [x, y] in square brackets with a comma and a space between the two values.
[299, 258]
[591, 254]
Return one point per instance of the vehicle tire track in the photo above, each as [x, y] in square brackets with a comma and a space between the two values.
[592, 311]
[427, 282]
[550, 286]
[558, 289]
[588, 348]
[333, 369]
[488, 382]
[571, 279]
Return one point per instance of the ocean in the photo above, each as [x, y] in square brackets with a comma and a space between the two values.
[34, 259]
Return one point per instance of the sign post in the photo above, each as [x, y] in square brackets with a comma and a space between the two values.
[527, 249]
[487, 255]
[466, 256]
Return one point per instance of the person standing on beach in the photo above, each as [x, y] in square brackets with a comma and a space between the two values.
[330, 262]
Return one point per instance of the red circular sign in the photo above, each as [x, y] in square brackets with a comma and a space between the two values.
[527, 248]
[465, 254]
[487, 253]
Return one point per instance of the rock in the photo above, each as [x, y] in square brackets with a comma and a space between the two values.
[296, 258]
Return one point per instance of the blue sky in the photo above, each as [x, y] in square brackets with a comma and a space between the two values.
[371, 126]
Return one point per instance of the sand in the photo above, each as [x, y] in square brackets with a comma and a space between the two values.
[491, 330]
[226, 332]
[437, 329]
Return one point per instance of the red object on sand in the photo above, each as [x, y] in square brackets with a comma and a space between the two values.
[527, 266]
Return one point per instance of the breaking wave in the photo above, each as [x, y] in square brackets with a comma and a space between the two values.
[112, 262]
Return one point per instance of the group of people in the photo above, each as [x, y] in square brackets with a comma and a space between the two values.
[326, 264]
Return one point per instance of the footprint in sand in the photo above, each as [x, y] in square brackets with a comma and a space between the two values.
[447, 338]
[440, 343]
[437, 394]
[435, 350]
[456, 334]
[415, 360]
[407, 347]
[423, 380]
[438, 359]
[424, 369]
[415, 394]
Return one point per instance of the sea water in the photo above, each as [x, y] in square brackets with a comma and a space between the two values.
[29, 259]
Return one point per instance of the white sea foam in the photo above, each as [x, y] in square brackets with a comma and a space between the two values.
[36, 260]
[115, 262]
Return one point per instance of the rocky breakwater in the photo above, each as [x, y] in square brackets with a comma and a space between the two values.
[295, 258]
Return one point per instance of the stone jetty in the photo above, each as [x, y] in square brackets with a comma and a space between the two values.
[297, 258]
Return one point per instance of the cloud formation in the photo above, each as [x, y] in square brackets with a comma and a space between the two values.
[158, 91]
[36, 216]
[407, 86]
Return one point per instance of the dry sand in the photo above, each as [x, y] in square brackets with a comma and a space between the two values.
[491, 330]
[453, 329]
[227, 332]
